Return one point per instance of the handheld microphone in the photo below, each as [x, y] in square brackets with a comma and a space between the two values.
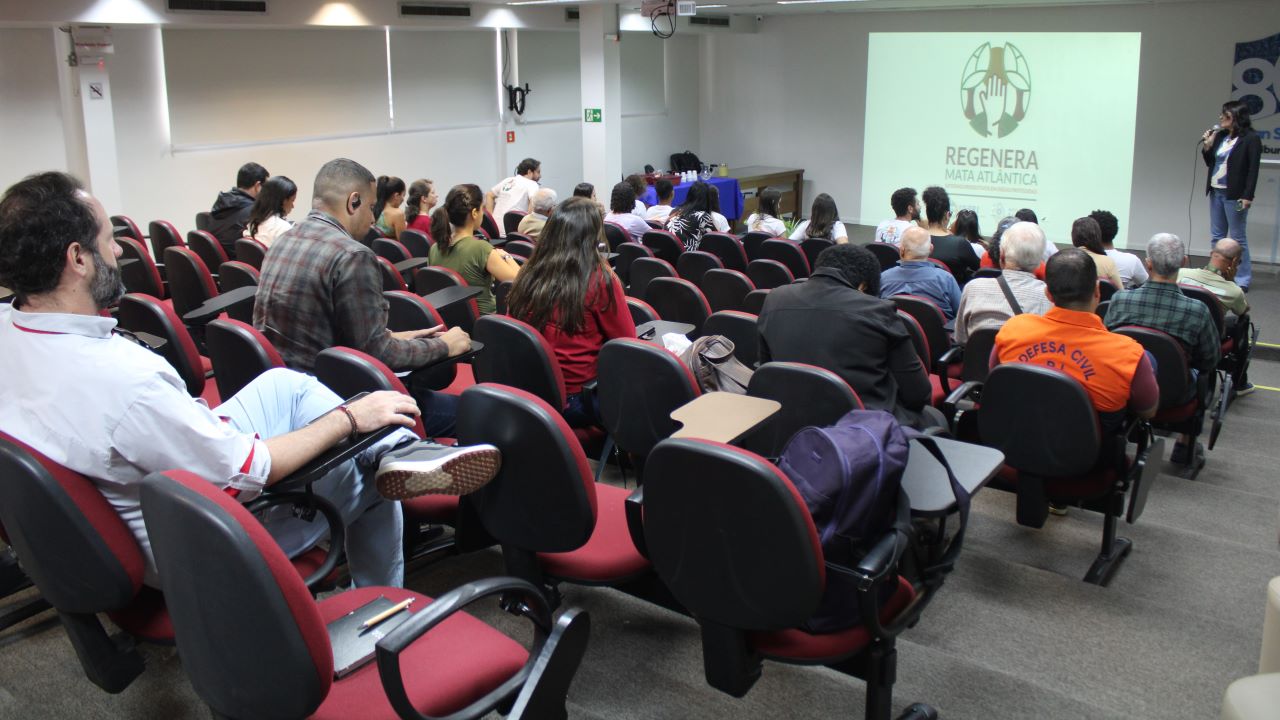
[1216, 127]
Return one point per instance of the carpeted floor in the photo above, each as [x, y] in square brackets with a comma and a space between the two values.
[1014, 634]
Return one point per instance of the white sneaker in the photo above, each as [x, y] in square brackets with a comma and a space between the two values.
[424, 468]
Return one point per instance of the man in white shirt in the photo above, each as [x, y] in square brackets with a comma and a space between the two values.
[98, 403]
[906, 206]
[514, 193]
[1133, 272]
[666, 193]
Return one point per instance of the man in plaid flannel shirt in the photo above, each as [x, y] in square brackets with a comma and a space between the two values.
[321, 288]
[1160, 305]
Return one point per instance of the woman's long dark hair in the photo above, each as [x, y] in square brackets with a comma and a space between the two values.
[1087, 234]
[553, 285]
[454, 212]
[823, 217]
[698, 200]
[270, 201]
[418, 190]
[1241, 121]
[966, 226]
[387, 186]
[769, 207]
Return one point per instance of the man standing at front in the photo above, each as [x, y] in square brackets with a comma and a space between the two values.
[321, 288]
[516, 192]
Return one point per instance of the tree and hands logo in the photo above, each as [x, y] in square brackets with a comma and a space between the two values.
[995, 89]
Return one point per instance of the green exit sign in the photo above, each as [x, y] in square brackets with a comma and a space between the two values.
[591, 115]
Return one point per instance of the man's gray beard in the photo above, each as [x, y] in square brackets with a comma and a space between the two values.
[107, 287]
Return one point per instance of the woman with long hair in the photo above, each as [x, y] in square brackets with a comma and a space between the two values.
[386, 207]
[824, 222]
[568, 292]
[1087, 235]
[417, 207]
[453, 228]
[966, 226]
[768, 215]
[269, 215]
[1233, 153]
[693, 219]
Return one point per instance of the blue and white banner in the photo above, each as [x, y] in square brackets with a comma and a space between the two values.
[1255, 79]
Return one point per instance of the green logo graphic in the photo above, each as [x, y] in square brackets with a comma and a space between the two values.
[995, 89]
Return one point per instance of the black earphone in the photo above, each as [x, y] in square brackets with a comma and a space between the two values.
[355, 202]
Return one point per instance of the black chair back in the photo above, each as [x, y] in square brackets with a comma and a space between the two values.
[1041, 419]
[1211, 301]
[131, 229]
[726, 289]
[641, 312]
[1101, 310]
[987, 273]
[427, 280]
[931, 320]
[391, 277]
[1106, 289]
[640, 383]
[1173, 374]
[208, 248]
[692, 266]
[768, 274]
[418, 242]
[490, 226]
[393, 250]
[753, 303]
[788, 253]
[809, 395]
[190, 283]
[141, 276]
[543, 498]
[204, 220]
[813, 247]
[519, 248]
[251, 252]
[521, 237]
[408, 311]
[144, 313]
[518, 356]
[665, 245]
[918, 339]
[239, 353]
[751, 245]
[163, 236]
[887, 254]
[629, 252]
[615, 235]
[678, 300]
[730, 536]
[646, 269]
[977, 354]
[235, 274]
[726, 247]
[511, 220]
[740, 328]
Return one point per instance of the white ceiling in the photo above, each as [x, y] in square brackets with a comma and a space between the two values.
[772, 7]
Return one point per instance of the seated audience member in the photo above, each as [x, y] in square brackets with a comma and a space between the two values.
[638, 186]
[1029, 215]
[1218, 277]
[713, 200]
[453, 226]
[1160, 305]
[386, 207]
[824, 222]
[418, 206]
[666, 193]
[992, 258]
[966, 226]
[320, 288]
[544, 201]
[915, 275]
[906, 210]
[1086, 235]
[230, 211]
[621, 203]
[269, 215]
[515, 192]
[836, 320]
[766, 217]
[569, 293]
[693, 219]
[587, 190]
[1113, 369]
[1132, 272]
[132, 414]
[956, 252]
[983, 303]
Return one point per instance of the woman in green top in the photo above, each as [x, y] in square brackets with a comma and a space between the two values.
[453, 225]
[386, 208]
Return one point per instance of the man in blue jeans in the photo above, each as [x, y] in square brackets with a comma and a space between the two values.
[96, 402]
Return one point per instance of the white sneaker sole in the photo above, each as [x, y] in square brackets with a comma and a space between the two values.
[459, 474]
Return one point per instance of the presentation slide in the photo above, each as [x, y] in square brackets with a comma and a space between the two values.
[1003, 121]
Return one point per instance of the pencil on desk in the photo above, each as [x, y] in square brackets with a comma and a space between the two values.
[385, 614]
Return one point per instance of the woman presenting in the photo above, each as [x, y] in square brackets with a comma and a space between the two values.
[1232, 152]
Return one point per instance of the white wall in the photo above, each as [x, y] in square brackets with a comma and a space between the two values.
[793, 94]
[31, 127]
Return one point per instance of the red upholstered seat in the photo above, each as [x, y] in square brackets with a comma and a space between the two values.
[609, 556]
[146, 618]
[937, 394]
[459, 661]
[1084, 486]
[797, 644]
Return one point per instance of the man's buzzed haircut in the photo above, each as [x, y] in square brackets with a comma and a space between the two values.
[1072, 277]
[339, 178]
[855, 263]
[40, 217]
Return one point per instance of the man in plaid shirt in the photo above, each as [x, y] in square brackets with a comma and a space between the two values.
[1160, 305]
[321, 288]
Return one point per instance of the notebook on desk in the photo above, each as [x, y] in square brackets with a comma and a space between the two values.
[353, 648]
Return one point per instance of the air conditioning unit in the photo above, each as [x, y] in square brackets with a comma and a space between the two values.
[220, 6]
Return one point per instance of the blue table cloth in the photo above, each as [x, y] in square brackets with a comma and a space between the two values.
[730, 195]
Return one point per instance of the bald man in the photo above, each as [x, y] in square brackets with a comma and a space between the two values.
[917, 275]
[1218, 277]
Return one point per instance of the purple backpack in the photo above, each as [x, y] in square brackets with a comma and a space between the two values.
[850, 477]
